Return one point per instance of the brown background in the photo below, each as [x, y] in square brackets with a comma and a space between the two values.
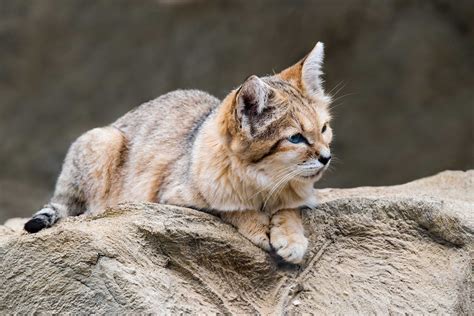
[403, 71]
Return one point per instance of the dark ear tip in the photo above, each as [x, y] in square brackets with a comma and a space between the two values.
[34, 225]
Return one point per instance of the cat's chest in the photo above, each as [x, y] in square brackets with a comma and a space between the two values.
[268, 201]
[288, 200]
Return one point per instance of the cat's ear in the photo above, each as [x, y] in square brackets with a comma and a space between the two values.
[251, 99]
[312, 72]
[307, 73]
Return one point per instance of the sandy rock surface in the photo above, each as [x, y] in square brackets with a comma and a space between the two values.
[379, 250]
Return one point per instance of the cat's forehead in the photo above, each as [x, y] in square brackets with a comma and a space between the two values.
[309, 113]
[285, 89]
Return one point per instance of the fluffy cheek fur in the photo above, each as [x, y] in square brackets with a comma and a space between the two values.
[291, 155]
[327, 136]
[283, 163]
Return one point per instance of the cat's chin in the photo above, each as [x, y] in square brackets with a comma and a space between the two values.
[314, 176]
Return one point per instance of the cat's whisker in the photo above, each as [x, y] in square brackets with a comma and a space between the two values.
[291, 178]
[283, 181]
[337, 87]
[275, 186]
[335, 106]
[337, 92]
[280, 173]
[297, 173]
[343, 96]
[336, 160]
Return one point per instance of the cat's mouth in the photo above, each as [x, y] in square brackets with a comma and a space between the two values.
[315, 174]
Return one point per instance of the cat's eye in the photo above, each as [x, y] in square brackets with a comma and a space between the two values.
[297, 138]
[325, 127]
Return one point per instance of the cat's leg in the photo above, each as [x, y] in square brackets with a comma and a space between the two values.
[287, 235]
[86, 179]
[253, 225]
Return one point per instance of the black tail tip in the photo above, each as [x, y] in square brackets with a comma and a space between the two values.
[35, 224]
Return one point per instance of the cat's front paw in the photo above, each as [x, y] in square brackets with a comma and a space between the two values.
[260, 240]
[290, 246]
[253, 225]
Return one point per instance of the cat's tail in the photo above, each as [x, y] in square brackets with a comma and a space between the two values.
[44, 218]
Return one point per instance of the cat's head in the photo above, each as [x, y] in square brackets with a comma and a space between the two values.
[280, 125]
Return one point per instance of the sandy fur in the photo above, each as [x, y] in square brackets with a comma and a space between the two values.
[230, 157]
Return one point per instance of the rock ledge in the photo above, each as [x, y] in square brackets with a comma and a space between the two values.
[381, 250]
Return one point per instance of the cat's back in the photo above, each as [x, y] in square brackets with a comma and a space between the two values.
[171, 117]
[159, 136]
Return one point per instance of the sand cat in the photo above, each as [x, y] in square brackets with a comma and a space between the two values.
[252, 158]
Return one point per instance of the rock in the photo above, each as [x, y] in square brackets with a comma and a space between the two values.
[380, 250]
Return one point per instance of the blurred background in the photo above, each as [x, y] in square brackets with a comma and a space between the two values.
[402, 73]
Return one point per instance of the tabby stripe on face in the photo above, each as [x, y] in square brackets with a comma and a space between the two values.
[270, 152]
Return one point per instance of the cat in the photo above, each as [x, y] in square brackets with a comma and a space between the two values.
[251, 159]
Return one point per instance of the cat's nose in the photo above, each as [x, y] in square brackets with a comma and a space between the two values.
[324, 159]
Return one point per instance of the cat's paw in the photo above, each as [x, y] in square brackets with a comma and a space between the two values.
[260, 240]
[290, 246]
[253, 225]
